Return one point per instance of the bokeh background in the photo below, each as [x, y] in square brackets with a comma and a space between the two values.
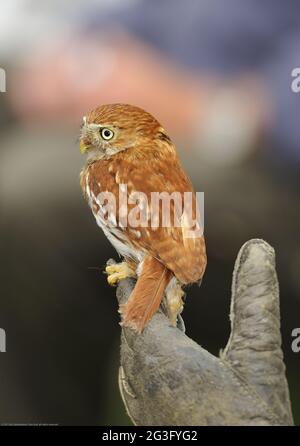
[219, 80]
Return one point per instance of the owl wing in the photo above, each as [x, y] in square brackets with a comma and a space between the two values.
[183, 254]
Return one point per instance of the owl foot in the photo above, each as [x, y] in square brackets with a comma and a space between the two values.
[119, 271]
[174, 301]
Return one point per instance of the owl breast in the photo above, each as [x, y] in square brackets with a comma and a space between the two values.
[108, 221]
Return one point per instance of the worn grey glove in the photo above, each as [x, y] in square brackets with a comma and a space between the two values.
[167, 379]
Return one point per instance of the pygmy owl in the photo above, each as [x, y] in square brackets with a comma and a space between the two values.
[129, 159]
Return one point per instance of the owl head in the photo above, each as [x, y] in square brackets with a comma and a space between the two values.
[112, 128]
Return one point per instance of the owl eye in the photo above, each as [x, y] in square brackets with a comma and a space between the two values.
[106, 134]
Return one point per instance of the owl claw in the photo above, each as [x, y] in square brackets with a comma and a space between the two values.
[174, 298]
[119, 271]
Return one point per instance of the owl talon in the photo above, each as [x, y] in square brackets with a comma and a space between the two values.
[174, 302]
[119, 271]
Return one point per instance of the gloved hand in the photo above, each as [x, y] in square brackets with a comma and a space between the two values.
[167, 379]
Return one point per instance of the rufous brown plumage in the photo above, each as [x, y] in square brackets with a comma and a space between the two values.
[130, 155]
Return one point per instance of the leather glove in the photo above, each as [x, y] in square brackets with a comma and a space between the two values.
[166, 379]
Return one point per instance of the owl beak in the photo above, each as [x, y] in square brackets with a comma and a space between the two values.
[83, 147]
[85, 144]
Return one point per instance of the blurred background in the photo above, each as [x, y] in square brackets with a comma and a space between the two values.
[219, 80]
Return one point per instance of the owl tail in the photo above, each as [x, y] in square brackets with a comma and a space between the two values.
[146, 297]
